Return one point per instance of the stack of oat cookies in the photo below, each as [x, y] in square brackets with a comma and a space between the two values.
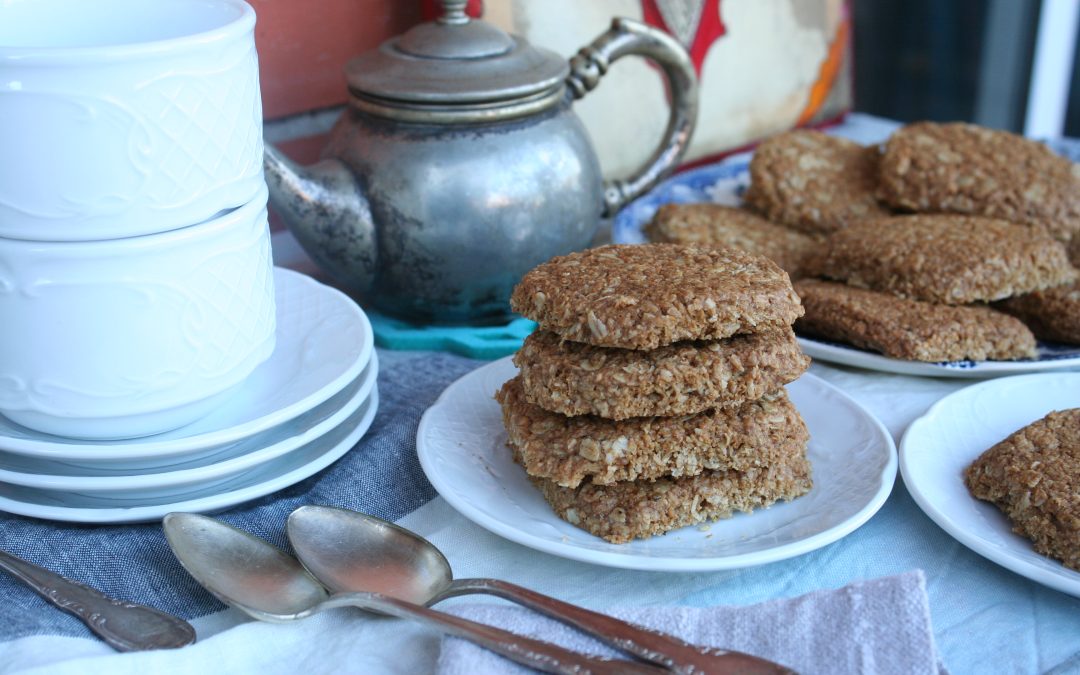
[917, 287]
[950, 242]
[652, 395]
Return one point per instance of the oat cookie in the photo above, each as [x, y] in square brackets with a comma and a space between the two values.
[964, 168]
[1052, 314]
[910, 329]
[814, 182]
[1074, 252]
[948, 259]
[1034, 477]
[570, 450]
[637, 509]
[648, 295]
[720, 225]
[573, 378]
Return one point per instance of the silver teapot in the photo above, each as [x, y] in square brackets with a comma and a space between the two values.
[459, 165]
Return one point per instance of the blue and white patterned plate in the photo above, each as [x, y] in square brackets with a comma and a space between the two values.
[721, 183]
[724, 183]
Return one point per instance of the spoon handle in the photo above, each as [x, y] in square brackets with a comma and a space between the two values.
[544, 656]
[123, 625]
[667, 650]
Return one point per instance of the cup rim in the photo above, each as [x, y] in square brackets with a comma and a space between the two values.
[30, 55]
[221, 220]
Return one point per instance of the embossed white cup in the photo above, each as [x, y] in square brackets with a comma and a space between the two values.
[129, 337]
[125, 117]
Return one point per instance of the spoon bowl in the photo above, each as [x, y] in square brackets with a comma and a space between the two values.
[350, 551]
[242, 570]
[270, 585]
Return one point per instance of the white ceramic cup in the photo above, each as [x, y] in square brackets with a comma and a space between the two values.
[129, 337]
[125, 117]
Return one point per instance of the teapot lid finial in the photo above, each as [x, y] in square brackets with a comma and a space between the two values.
[456, 69]
[454, 12]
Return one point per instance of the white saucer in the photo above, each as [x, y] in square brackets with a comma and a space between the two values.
[461, 444]
[324, 340]
[269, 477]
[76, 474]
[938, 446]
[246, 455]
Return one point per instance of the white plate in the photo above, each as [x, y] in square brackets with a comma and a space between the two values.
[938, 446]
[724, 183]
[248, 454]
[462, 447]
[324, 340]
[270, 477]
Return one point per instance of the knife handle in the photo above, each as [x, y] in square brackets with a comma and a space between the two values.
[125, 626]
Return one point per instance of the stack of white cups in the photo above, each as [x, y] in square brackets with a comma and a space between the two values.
[136, 283]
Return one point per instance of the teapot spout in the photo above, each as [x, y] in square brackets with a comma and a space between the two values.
[323, 206]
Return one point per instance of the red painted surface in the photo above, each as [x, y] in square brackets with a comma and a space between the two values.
[303, 47]
[710, 28]
[432, 9]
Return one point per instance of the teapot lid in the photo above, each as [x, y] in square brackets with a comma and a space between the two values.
[456, 69]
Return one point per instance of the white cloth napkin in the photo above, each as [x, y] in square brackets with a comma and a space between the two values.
[879, 626]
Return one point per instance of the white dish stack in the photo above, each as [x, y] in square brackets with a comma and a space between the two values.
[137, 289]
[298, 412]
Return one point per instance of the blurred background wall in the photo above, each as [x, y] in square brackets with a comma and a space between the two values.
[1008, 64]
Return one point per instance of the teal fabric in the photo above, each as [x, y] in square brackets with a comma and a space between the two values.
[483, 342]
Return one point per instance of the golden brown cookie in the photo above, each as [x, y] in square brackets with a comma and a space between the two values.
[1052, 314]
[573, 378]
[637, 509]
[719, 225]
[909, 329]
[569, 450]
[1034, 477]
[947, 259]
[814, 182]
[964, 168]
[648, 295]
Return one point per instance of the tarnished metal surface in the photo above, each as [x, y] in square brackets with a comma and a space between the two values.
[435, 202]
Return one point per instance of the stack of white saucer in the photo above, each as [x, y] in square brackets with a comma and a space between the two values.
[150, 354]
[297, 413]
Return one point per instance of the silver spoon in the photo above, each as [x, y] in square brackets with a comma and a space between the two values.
[351, 551]
[125, 626]
[271, 585]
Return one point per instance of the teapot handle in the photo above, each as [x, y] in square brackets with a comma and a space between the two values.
[629, 37]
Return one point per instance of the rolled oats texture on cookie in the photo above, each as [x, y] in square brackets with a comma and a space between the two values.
[964, 168]
[946, 259]
[625, 511]
[570, 450]
[1052, 314]
[648, 295]
[1033, 476]
[573, 378]
[814, 182]
[703, 224]
[910, 329]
